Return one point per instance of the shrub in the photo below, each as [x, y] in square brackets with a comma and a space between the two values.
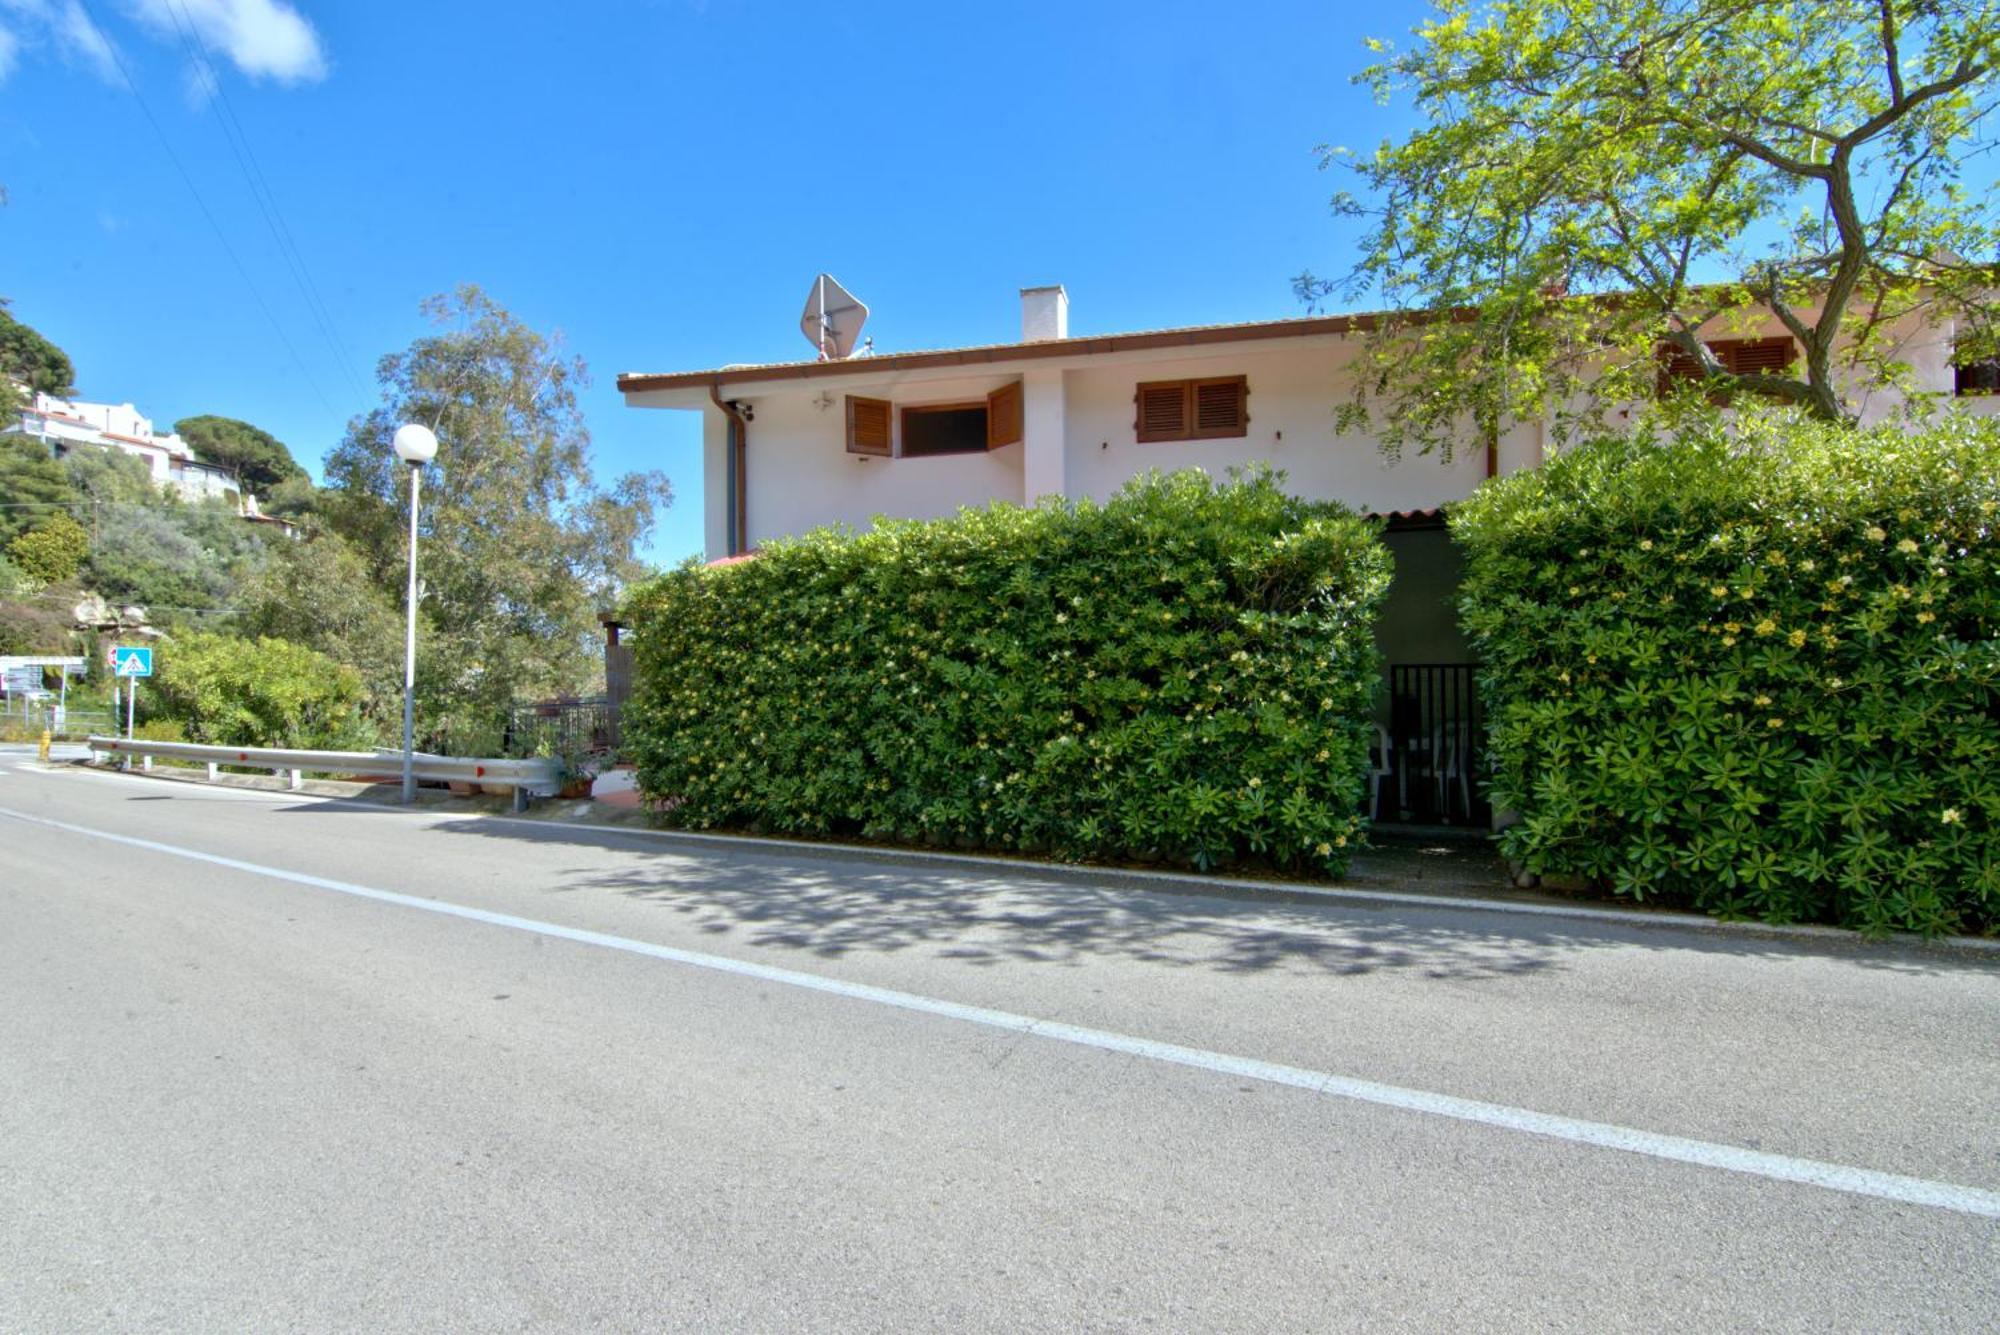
[1756, 675]
[1183, 673]
[264, 692]
[50, 552]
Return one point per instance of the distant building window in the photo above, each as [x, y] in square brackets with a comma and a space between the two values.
[1980, 377]
[1208, 409]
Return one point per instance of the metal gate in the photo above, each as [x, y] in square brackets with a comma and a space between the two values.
[1436, 737]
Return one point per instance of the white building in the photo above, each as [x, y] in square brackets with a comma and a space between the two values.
[64, 424]
[792, 446]
[789, 446]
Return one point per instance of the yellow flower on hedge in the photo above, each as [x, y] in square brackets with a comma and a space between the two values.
[1797, 639]
[1340, 841]
[1256, 782]
[1809, 565]
[1907, 546]
[1324, 850]
[1951, 816]
[1645, 544]
[1720, 591]
[1775, 723]
[1733, 627]
[1766, 626]
[1925, 618]
[1834, 683]
[1875, 533]
[1761, 701]
[1728, 640]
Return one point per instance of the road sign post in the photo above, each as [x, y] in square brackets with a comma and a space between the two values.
[131, 662]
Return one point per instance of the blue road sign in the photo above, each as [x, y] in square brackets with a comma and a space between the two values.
[131, 662]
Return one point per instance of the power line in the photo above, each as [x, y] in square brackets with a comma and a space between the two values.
[90, 17]
[267, 202]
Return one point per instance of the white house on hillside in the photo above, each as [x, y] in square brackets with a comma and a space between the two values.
[64, 424]
[794, 445]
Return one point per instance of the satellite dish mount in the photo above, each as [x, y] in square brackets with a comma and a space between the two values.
[833, 318]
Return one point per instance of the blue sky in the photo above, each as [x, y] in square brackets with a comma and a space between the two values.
[658, 181]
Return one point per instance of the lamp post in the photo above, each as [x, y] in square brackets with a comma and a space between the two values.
[415, 446]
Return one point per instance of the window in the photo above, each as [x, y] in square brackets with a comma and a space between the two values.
[1739, 356]
[935, 428]
[943, 428]
[1980, 377]
[1206, 409]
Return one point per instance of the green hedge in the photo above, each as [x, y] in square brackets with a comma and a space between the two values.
[1182, 674]
[1756, 675]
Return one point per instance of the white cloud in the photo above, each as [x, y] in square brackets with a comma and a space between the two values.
[265, 39]
[63, 24]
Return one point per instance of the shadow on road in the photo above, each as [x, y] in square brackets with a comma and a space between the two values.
[843, 904]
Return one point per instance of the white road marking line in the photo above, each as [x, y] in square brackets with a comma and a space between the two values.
[1702, 1153]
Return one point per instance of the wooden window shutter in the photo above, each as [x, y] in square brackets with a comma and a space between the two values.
[1003, 416]
[1166, 408]
[1221, 407]
[1756, 356]
[868, 425]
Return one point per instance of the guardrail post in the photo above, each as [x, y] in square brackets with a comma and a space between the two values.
[146, 763]
[213, 768]
[297, 779]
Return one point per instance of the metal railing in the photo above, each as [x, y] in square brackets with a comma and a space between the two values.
[536, 776]
[562, 728]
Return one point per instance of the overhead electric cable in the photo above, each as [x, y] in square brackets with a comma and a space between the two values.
[90, 17]
[267, 202]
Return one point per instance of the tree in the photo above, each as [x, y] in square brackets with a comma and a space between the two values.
[50, 552]
[1594, 179]
[257, 458]
[33, 486]
[520, 547]
[29, 360]
[228, 691]
[317, 593]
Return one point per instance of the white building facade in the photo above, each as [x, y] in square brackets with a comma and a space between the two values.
[65, 424]
[781, 453]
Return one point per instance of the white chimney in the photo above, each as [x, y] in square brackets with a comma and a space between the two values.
[1044, 313]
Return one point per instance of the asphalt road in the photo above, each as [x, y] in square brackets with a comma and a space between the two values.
[282, 1063]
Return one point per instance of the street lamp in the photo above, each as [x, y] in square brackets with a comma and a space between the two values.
[415, 446]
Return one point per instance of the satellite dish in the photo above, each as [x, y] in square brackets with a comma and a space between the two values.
[833, 318]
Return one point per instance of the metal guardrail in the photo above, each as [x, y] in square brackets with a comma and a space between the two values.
[535, 776]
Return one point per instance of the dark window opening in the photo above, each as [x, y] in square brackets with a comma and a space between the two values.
[1977, 377]
[946, 428]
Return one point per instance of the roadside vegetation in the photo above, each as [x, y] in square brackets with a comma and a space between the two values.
[1752, 671]
[521, 549]
[1182, 675]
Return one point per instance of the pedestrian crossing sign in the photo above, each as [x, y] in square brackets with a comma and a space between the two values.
[131, 662]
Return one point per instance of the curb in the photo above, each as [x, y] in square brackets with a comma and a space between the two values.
[1189, 884]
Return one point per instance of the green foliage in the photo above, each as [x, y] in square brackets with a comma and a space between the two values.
[50, 552]
[1755, 674]
[185, 562]
[33, 486]
[263, 692]
[26, 358]
[1712, 161]
[1184, 673]
[316, 592]
[257, 458]
[520, 549]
